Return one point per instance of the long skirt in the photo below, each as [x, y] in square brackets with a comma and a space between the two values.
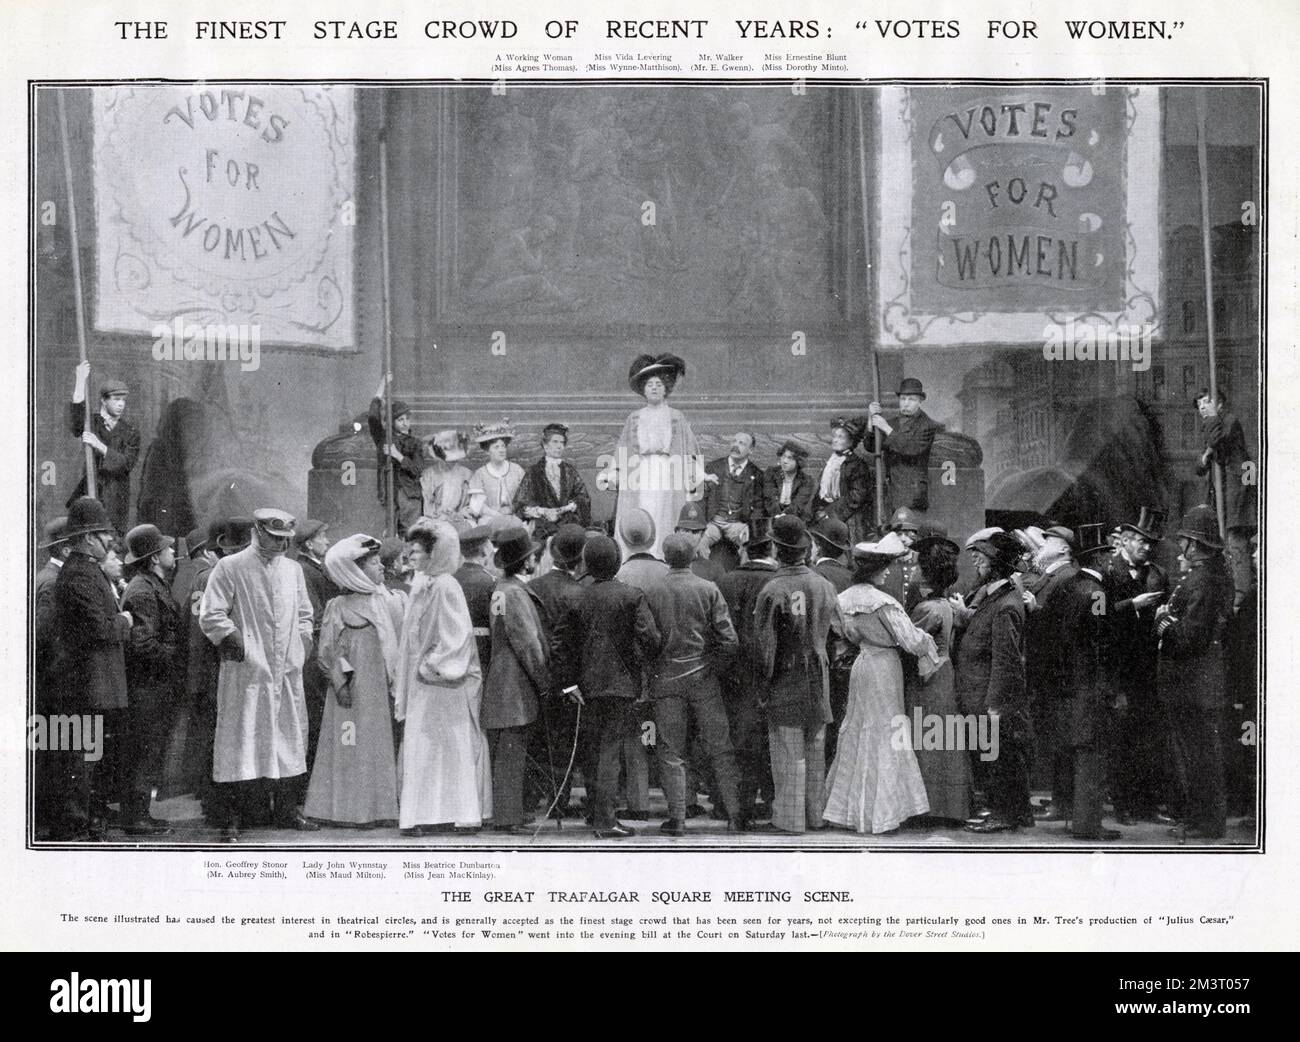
[446, 772]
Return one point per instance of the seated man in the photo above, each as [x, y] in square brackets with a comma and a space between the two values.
[733, 486]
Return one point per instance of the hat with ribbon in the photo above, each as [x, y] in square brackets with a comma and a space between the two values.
[145, 541]
[85, 516]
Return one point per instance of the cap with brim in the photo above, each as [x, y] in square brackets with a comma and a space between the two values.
[308, 530]
[54, 533]
[274, 522]
[1066, 534]
[112, 387]
[983, 533]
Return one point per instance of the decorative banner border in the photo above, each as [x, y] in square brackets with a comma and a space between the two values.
[229, 207]
[907, 153]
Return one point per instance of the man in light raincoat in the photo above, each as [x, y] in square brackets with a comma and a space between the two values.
[257, 612]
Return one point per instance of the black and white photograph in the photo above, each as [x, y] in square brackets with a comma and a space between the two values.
[654, 465]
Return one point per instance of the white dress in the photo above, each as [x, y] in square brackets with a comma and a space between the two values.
[445, 773]
[660, 468]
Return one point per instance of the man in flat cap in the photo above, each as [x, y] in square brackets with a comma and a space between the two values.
[257, 612]
[115, 441]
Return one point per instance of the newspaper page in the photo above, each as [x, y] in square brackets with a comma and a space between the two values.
[654, 476]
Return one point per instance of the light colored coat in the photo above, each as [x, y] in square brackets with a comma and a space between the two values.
[261, 710]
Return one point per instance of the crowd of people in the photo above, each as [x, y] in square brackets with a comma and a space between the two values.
[503, 653]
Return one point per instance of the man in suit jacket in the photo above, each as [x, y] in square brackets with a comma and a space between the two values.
[94, 634]
[477, 583]
[990, 680]
[794, 616]
[1083, 694]
[54, 767]
[742, 682]
[787, 487]
[311, 542]
[1135, 588]
[1225, 444]
[519, 677]
[603, 642]
[155, 663]
[1190, 678]
[698, 643]
[733, 487]
[907, 448]
[114, 440]
[552, 492]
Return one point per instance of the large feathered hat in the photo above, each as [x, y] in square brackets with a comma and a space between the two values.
[667, 367]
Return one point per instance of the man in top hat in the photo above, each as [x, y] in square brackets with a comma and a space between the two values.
[793, 618]
[257, 611]
[555, 593]
[733, 488]
[1054, 563]
[602, 642]
[477, 583]
[553, 492]
[93, 633]
[1225, 444]
[787, 487]
[115, 441]
[741, 684]
[990, 680]
[692, 523]
[405, 450]
[906, 447]
[1135, 587]
[53, 768]
[699, 642]
[155, 665]
[311, 540]
[1190, 674]
[844, 488]
[641, 569]
[1080, 668]
[519, 676]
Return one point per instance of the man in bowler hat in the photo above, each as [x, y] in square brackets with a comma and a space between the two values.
[906, 447]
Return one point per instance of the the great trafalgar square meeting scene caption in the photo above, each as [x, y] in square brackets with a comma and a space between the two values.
[611, 457]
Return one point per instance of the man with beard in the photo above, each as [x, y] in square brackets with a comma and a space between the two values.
[93, 633]
[257, 612]
[1135, 588]
[1190, 680]
[990, 680]
[154, 662]
[1054, 562]
[734, 487]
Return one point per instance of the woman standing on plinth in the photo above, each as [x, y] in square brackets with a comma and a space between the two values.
[658, 462]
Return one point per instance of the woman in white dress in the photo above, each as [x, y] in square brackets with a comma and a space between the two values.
[446, 776]
[493, 486]
[445, 479]
[658, 461]
[874, 784]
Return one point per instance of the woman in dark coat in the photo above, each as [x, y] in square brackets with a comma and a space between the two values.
[787, 487]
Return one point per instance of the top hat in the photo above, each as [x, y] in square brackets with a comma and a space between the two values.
[911, 385]
[1150, 524]
[888, 548]
[236, 534]
[309, 529]
[667, 367]
[790, 531]
[486, 433]
[513, 545]
[1000, 548]
[1201, 524]
[567, 543]
[691, 517]
[145, 541]
[832, 532]
[108, 388]
[1092, 539]
[637, 529]
[54, 533]
[86, 515]
[274, 522]
[904, 520]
